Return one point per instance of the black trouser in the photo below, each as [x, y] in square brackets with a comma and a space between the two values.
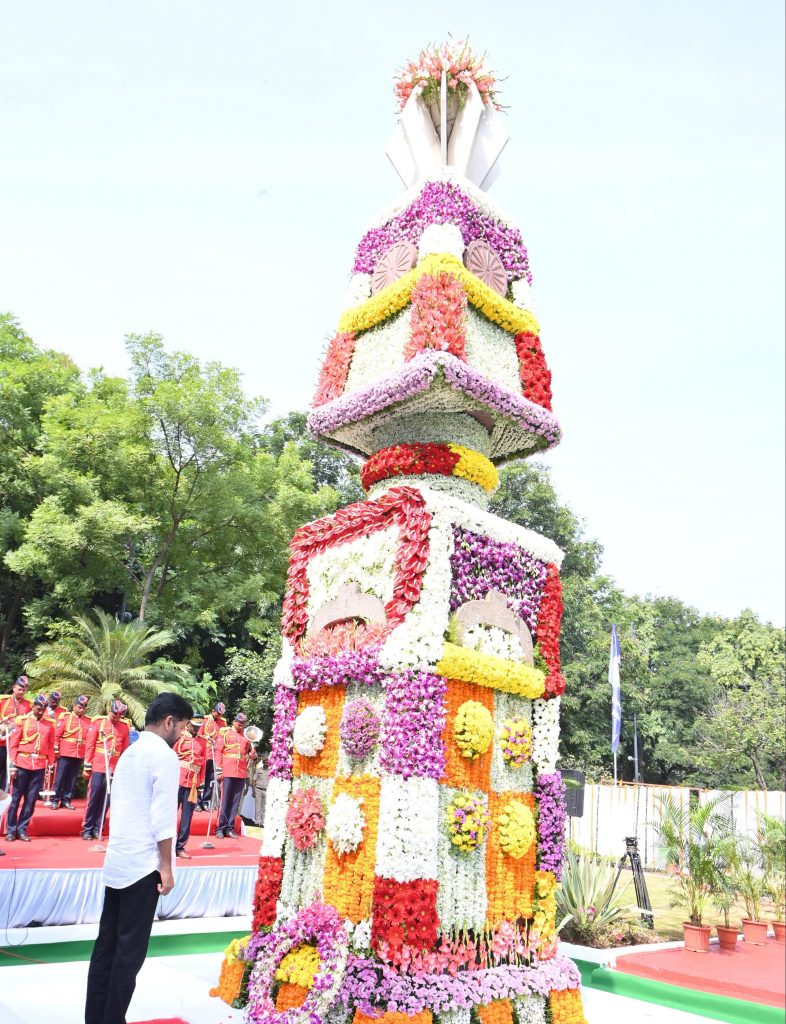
[95, 803]
[4, 782]
[65, 779]
[185, 818]
[231, 792]
[120, 949]
[207, 785]
[26, 787]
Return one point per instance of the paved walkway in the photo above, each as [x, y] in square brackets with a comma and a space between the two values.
[177, 986]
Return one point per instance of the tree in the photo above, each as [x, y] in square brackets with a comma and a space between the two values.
[106, 660]
[741, 734]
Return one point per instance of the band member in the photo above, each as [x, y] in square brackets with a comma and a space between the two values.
[107, 738]
[209, 732]
[233, 752]
[70, 744]
[260, 791]
[31, 748]
[10, 709]
[190, 752]
[54, 709]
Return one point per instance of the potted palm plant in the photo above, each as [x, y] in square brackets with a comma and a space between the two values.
[692, 838]
[772, 833]
[725, 892]
[749, 881]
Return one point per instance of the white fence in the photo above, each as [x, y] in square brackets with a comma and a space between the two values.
[613, 812]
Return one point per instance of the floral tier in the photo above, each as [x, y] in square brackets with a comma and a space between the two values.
[438, 320]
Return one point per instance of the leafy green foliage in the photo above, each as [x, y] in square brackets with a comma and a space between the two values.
[588, 899]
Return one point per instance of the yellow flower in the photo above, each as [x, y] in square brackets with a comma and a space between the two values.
[516, 826]
[299, 967]
[473, 729]
[475, 467]
[487, 670]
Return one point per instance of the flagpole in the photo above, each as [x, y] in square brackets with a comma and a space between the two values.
[616, 700]
[615, 767]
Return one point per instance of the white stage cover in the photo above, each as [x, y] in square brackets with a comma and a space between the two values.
[74, 896]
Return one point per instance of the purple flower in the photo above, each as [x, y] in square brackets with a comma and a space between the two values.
[284, 711]
[359, 729]
[413, 723]
[550, 797]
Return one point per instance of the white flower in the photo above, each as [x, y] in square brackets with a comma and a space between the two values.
[522, 294]
[282, 673]
[358, 290]
[345, 823]
[367, 561]
[545, 734]
[309, 733]
[494, 641]
[361, 936]
[379, 351]
[492, 351]
[441, 238]
[530, 1009]
[276, 803]
[408, 828]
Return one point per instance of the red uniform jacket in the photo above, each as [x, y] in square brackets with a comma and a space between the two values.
[210, 729]
[55, 714]
[71, 735]
[12, 709]
[232, 752]
[190, 752]
[32, 743]
[105, 739]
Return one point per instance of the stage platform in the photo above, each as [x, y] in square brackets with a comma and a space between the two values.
[56, 880]
[46, 822]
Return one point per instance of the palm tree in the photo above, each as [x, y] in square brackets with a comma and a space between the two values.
[106, 660]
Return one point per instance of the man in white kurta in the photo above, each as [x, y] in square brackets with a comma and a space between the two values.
[139, 859]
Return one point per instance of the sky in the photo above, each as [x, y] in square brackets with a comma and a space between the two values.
[205, 171]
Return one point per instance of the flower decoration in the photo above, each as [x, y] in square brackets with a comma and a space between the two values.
[515, 738]
[550, 796]
[535, 375]
[485, 670]
[405, 912]
[267, 891]
[299, 967]
[473, 729]
[565, 1006]
[418, 459]
[440, 238]
[412, 727]
[439, 308]
[516, 827]
[461, 67]
[345, 823]
[550, 617]
[309, 731]
[359, 730]
[467, 820]
[305, 818]
[335, 367]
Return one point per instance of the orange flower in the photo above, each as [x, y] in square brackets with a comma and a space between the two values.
[424, 1017]
[349, 879]
[566, 1007]
[460, 771]
[324, 763]
[498, 1012]
[290, 997]
[229, 981]
[510, 881]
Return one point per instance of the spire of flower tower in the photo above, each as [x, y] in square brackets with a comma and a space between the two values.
[436, 370]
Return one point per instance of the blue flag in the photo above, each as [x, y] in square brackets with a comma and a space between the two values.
[614, 679]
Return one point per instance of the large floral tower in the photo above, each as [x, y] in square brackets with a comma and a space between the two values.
[415, 820]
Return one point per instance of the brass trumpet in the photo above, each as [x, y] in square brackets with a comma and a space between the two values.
[253, 734]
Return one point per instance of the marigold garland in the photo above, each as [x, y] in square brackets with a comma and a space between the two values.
[267, 891]
[460, 771]
[331, 700]
[299, 967]
[349, 879]
[549, 620]
[534, 374]
[393, 298]
[510, 882]
[499, 1011]
[394, 1017]
[467, 820]
[566, 1007]
[431, 457]
[486, 670]
[515, 740]
[439, 310]
[473, 729]
[290, 997]
[230, 980]
[335, 367]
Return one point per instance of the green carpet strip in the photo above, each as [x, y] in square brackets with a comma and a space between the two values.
[70, 952]
[690, 1000]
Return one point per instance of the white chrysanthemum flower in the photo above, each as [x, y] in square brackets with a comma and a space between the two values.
[309, 733]
[441, 238]
[345, 823]
[358, 290]
[522, 294]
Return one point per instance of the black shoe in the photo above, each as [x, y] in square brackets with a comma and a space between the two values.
[24, 837]
[10, 837]
[87, 836]
[68, 806]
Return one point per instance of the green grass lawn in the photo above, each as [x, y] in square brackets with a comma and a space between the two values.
[668, 920]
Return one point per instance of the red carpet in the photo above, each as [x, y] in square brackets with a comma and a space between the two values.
[69, 823]
[69, 853]
[754, 973]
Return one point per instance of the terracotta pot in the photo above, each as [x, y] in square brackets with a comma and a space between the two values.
[697, 937]
[780, 930]
[754, 932]
[727, 937]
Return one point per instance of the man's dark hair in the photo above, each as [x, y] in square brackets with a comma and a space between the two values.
[167, 704]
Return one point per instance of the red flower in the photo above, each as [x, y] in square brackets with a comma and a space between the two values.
[549, 620]
[405, 912]
[333, 375]
[534, 374]
[267, 891]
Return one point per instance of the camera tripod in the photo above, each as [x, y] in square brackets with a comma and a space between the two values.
[639, 881]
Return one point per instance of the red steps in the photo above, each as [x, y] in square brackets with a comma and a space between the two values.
[46, 822]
